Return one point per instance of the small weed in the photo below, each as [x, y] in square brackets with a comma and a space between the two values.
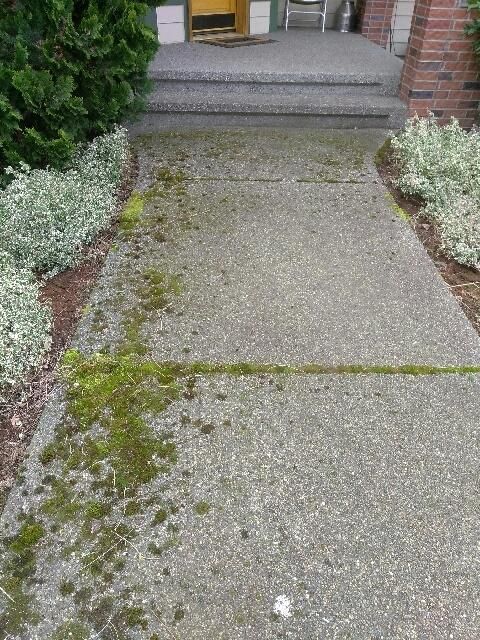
[66, 588]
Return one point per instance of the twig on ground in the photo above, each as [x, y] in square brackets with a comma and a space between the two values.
[464, 284]
[7, 595]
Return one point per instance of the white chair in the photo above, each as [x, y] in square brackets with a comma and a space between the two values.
[306, 3]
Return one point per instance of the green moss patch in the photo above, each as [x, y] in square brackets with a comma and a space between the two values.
[397, 209]
[19, 610]
[383, 153]
[132, 323]
[67, 588]
[19, 564]
[30, 533]
[71, 631]
[160, 516]
[131, 214]
[167, 180]
[115, 392]
[107, 543]
[157, 290]
[62, 504]
[107, 435]
[135, 616]
[202, 508]
[188, 371]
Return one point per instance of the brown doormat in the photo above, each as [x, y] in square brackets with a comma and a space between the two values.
[235, 41]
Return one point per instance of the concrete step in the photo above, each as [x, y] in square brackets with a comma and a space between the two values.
[317, 84]
[264, 109]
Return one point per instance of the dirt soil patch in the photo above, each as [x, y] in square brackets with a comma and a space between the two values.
[464, 282]
[66, 294]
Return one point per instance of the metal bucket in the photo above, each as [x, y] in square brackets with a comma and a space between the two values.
[346, 17]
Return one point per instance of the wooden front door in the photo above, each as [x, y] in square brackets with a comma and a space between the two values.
[210, 16]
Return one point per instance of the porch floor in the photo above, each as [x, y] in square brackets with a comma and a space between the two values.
[301, 54]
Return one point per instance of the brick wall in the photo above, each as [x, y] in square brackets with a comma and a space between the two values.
[441, 72]
[375, 20]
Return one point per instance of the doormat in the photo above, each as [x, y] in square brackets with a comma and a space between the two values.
[235, 41]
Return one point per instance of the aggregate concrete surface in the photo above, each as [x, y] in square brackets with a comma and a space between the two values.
[298, 506]
[300, 54]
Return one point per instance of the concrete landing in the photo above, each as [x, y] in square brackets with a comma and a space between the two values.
[164, 497]
[299, 54]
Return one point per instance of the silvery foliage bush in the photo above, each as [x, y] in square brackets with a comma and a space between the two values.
[441, 165]
[47, 216]
[24, 322]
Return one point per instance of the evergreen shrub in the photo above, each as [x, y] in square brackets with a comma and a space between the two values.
[70, 70]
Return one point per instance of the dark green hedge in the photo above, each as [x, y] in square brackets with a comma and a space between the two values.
[69, 69]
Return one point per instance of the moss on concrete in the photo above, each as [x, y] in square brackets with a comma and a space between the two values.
[30, 533]
[133, 343]
[135, 617]
[202, 508]
[383, 152]
[160, 516]
[253, 369]
[61, 505]
[71, 631]
[66, 588]
[19, 564]
[114, 391]
[167, 180]
[157, 290]
[19, 610]
[397, 209]
[131, 214]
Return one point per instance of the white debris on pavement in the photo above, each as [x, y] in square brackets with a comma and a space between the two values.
[283, 607]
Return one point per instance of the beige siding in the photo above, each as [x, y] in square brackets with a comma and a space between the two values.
[401, 23]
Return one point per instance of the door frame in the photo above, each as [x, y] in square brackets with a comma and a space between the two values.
[242, 18]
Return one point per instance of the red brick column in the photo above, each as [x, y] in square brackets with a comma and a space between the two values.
[441, 71]
[375, 20]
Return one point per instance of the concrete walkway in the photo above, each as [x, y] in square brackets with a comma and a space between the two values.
[223, 460]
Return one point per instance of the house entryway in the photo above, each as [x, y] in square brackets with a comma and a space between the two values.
[211, 18]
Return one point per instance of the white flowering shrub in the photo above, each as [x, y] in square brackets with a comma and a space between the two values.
[47, 216]
[441, 165]
[24, 322]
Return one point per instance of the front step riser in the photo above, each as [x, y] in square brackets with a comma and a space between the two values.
[276, 88]
[165, 120]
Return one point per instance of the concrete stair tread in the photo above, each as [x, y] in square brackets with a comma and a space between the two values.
[322, 77]
[270, 103]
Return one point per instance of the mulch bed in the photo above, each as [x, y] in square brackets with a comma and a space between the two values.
[67, 294]
[464, 282]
